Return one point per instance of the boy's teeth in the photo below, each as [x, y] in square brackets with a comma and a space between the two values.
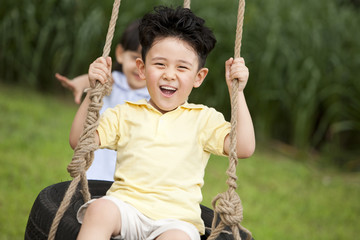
[168, 88]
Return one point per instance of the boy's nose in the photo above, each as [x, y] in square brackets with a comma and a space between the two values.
[169, 74]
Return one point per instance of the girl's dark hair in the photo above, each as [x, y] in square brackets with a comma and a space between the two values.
[179, 23]
[129, 40]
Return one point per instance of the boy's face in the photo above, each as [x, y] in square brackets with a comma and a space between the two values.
[171, 71]
[128, 61]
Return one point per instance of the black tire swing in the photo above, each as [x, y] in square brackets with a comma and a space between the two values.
[48, 202]
[53, 215]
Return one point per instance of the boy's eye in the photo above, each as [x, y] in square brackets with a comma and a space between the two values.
[183, 67]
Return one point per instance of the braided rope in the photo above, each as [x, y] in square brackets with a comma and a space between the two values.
[187, 3]
[228, 205]
[84, 152]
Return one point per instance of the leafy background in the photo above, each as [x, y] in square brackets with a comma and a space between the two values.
[303, 58]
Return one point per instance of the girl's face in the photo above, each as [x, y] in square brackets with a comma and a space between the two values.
[128, 61]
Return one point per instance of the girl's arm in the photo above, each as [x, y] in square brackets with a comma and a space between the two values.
[235, 68]
[76, 85]
[78, 123]
[99, 70]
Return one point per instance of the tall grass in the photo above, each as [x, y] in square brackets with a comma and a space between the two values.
[302, 55]
[306, 64]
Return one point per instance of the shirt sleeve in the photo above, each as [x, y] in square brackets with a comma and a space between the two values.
[108, 129]
[215, 129]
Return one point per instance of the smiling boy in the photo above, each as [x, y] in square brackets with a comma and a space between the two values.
[163, 144]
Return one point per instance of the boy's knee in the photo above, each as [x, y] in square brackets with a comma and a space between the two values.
[106, 212]
[101, 207]
[174, 234]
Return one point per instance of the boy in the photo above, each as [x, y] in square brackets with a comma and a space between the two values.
[163, 144]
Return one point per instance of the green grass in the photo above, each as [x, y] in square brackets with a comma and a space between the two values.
[34, 152]
[282, 198]
[286, 199]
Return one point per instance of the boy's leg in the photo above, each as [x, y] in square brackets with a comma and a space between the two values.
[174, 234]
[171, 229]
[101, 221]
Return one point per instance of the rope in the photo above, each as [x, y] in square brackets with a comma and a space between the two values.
[227, 206]
[84, 152]
[187, 3]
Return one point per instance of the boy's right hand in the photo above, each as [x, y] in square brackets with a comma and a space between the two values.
[100, 70]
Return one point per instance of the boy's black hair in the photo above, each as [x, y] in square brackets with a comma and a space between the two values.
[180, 23]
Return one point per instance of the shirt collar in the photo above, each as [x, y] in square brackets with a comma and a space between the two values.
[186, 105]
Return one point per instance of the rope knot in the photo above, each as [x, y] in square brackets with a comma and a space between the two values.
[76, 167]
[229, 209]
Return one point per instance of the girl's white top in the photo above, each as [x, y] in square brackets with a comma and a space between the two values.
[103, 166]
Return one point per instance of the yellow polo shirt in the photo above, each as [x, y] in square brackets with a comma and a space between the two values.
[161, 158]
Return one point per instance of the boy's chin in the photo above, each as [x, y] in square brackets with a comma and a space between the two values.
[165, 109]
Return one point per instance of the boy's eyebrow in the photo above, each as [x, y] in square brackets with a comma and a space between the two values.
[162, 58]
[158, 58]
[186, 62]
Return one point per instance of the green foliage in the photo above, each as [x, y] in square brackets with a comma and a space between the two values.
[40, 38]
[282, 198]
[302, 55]
[306, 70]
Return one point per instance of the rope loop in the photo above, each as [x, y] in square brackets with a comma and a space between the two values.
[76, 167]
[228, 207]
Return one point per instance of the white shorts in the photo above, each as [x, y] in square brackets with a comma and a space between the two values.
[136, 225]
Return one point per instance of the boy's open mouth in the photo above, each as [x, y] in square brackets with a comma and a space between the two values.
[168, 90]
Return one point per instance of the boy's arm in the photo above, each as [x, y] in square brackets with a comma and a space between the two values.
[244, 128]
[99, 70]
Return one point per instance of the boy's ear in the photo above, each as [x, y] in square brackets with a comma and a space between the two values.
[141, 68]
[200, 77]
[119, 53]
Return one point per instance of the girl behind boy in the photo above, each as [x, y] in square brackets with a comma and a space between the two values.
[127, 86]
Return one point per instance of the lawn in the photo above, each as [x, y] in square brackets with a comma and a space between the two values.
[283, 198]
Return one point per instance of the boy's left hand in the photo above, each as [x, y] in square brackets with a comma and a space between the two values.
[236, 69]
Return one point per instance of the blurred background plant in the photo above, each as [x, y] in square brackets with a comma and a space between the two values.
[303, 58]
